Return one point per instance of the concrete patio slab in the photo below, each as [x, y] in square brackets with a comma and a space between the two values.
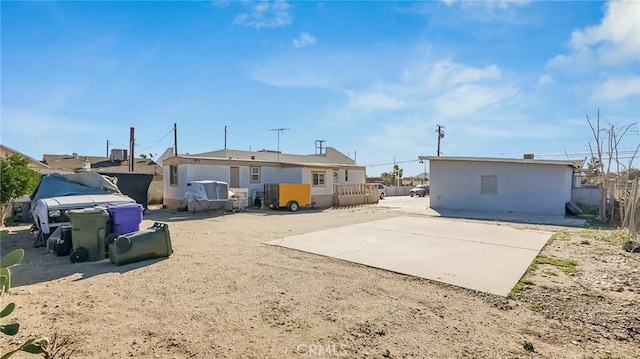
[421, 206]
[483, 257]
[508, 217]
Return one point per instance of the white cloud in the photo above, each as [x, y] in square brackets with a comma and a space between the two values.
[30, 132]
[445, 88]
[266, 14]
[501, 4]
[544, 80]
[401, 135]
[304, 39]
[448, 73]
[24, 121]
[310, 70]
[467, 101]
[292, 74]
[375, 101]
[615, 40]
[617, 88]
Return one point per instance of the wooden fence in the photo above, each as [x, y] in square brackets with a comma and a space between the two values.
[354, 194]
[630, 209]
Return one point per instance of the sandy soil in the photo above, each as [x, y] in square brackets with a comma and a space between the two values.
[224, 294]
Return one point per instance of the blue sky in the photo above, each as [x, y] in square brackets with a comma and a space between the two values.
[504, 77]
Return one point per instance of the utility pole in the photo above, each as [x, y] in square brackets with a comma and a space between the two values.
[355, 157]
[175, 139]
[132, 143]
[279, 130]
[440, 136]
[225, 137]
[107, 148]
[395, 173]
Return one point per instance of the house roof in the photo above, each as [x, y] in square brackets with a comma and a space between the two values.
[100, 164]
[188, 159]
[577, 164]
[33, 163]
[330, 156]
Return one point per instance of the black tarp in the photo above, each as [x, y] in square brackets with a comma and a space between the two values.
[134, 185]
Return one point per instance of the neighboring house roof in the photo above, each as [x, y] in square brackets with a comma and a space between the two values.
[33, 163]
[166, 154]
[75, 162]
[577, 164]
[330, 156]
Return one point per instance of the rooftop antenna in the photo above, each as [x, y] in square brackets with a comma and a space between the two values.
[279, 130]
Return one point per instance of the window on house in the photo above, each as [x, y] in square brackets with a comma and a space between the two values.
[255, 174]
[318, 178]
[173, 175]
[489, 184]
[335, 176]
[346, 175]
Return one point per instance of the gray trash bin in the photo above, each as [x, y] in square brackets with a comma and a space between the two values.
[154, 242]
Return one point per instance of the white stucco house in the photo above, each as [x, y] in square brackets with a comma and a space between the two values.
[253, 169]
[501, 184]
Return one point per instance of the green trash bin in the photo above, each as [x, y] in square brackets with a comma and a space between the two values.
[89, 229]
[154, 242]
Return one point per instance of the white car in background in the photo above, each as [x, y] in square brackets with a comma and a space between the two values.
[382, 190]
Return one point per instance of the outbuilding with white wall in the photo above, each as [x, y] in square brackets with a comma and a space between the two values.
[501, 184]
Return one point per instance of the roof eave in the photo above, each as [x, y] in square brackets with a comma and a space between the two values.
[575, 164]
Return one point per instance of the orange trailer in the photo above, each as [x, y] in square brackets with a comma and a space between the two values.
[289, 195]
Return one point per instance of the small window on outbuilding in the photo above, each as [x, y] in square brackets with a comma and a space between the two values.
[255, 174]
[335, 176]
[173, 175]
[489, 184]
[346, 175]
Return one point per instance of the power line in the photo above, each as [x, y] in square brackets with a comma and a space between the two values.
[564, 154]
[163, 137]
[629, 152]
[390, 163]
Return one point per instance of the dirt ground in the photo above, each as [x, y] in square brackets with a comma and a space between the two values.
[224, 294]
